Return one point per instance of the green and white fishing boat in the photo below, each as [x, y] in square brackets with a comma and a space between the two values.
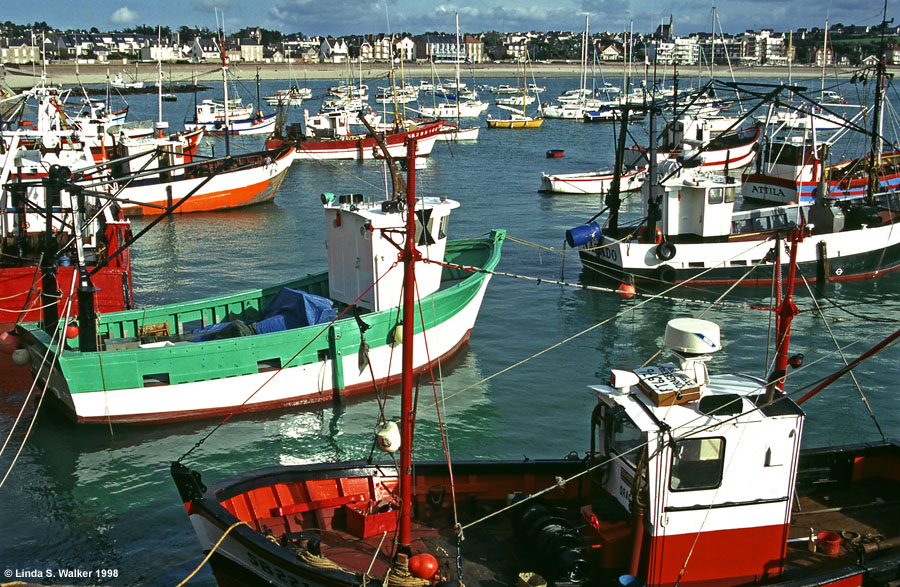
[314, 339]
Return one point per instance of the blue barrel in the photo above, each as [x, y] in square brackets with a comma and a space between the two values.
[581, 234]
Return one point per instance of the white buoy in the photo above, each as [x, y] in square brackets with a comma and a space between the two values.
[20, 357]
[388, 437]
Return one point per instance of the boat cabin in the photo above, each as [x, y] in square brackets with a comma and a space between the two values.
[716, 467]
[702, 205]
[329, 125]
[361, 238]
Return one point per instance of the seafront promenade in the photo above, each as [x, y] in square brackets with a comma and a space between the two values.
[66, 74]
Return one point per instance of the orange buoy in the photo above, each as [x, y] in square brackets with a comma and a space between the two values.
[424, 565]
[71, 330]
[658, 236]
[626, 291]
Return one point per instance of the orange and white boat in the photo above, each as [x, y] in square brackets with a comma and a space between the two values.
[164, 178]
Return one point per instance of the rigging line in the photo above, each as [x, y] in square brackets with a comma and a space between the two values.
[288, 362]
[661, 295]
[61, 345]
[441, 426]
[650, 298]
[862, 395]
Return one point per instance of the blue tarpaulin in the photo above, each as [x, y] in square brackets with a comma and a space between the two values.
[290, 308]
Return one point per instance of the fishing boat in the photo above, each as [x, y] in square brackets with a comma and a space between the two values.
[328, 136]
[230, 116]
[40, 245]
[794, 167]
[214, 118]
[790, 171]
[693, 477]
[690, 230]
[289, 97]
[159, 177]
[119, 82]
[713, 144]
[310, 340]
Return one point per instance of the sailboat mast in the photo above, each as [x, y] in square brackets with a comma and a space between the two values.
[584, 56]
[410, 256]
[225, 92]
[457, 75]
[159, 76]
[824, 62]
[790, 54]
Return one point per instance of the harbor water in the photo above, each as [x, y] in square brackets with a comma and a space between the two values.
[100, 500]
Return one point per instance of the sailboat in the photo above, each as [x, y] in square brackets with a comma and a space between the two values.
[693, 477]
[583, 97]
[517, 117]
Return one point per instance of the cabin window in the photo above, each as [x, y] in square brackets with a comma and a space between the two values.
[715, 196]
[623, 435]
[729, 195]
[445, 222]
[697, 463]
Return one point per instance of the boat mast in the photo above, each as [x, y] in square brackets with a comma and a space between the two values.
[225, 89]
[410, 256]
[824, 62]
[457, 77]
[159, 79]
[712, 50]
[584, 54]
[875, 154]
[790, 54]
[785, 312]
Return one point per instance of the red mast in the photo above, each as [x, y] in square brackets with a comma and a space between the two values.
[410, 256]
[786, 311]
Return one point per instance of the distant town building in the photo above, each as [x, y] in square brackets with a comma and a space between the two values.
[19, 51]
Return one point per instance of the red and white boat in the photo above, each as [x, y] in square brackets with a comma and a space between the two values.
[701, 142]
[328, 137]
[692, 478]
[35, 244]
[790, 172]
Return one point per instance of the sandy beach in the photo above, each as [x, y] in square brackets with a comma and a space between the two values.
[66, 74]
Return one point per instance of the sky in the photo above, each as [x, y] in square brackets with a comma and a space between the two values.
[344, 17]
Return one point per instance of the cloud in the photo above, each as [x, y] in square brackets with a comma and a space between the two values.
[123, 16]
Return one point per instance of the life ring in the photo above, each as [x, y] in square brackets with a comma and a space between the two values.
[665, 251]
[658, 236]
[26, 225]
[666, 274]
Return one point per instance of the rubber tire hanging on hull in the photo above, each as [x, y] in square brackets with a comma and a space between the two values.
[666, 274]
[665, 251]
